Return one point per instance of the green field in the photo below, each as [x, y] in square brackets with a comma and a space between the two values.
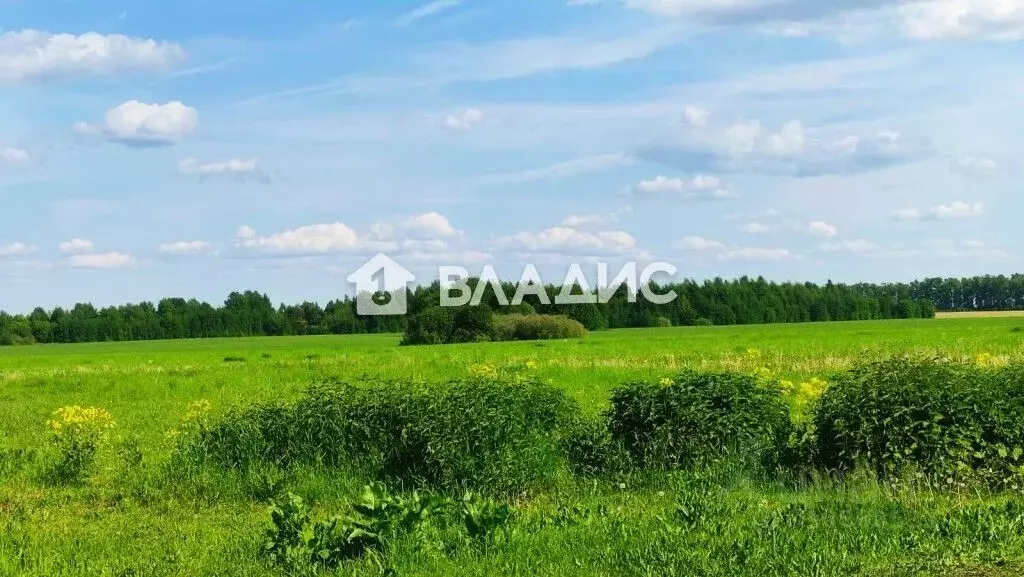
[125, 521]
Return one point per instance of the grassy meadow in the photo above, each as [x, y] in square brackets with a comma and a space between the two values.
[130, 518]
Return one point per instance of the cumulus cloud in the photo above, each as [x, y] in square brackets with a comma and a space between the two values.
[723, 252]
[311, 239]
[12, 155]
[698, 244]
[699, 187]
[793, 149]
[239, 169]
[821, 228]
[431, 225]
[16, 249]
[994, 20]
[956, 210]
[756, 227]
[925, 249]
[856, 246]
[76, 246]
[428, 233]
[187, 247]
[563, 239]
[136, 123]
[695, 115]
[588, 220]
[463, 121]
[102, 261]
[974, 166]
[34, 55]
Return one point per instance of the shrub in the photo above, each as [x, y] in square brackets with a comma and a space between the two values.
[591, 450]
[663, 322]
[473, 324]
[952, 422]
[699, 417]
[536, 327]
[433, 326]
[77, 433]
[483, 433]
[703, 322]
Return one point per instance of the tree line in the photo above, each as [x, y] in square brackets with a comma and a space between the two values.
[712, 302]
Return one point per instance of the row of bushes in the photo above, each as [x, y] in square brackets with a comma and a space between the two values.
[468, 324]
[942, 422]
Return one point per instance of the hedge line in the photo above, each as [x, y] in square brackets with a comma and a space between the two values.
[946, 424]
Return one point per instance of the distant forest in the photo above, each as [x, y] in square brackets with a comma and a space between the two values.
[712, 302]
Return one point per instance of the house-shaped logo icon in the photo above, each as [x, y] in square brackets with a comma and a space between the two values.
[381, 285]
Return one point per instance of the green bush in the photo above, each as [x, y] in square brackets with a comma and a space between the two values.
[703, 322]
[699, 417]
[663, 322]
[536, 327]
[951, 422]
[433, 326]
[482, 433]
[591, 450]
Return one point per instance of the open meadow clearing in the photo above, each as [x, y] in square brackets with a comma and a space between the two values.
[133, 514]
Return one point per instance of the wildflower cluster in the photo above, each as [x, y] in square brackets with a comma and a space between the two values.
[802, 394]
[194, 420]
[989, 361]
[86, 426]
[77, 433]
[483, 370]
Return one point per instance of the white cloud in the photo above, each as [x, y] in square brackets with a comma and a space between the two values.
[905, 214]
[929, 248]
[16, 249]
[975, 166]
[428, 226]
[76, 246]
[463, 121]
[755, 254]
[571, 240]
[187, 247]
[698, 244]
[820, 228]
[315, 238]
[103, 261]
[857, 246]
[995, 20]
[588, 220]
[793, 149]
[956, 210]
[422, 234]
[723, 252]
[240, 169]
[695, 115]
[12, 155]
[699, 187]
[756, 228]
[136, 123]
[426, 10]
[31, 55]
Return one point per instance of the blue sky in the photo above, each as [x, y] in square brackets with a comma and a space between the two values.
[152, 149]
